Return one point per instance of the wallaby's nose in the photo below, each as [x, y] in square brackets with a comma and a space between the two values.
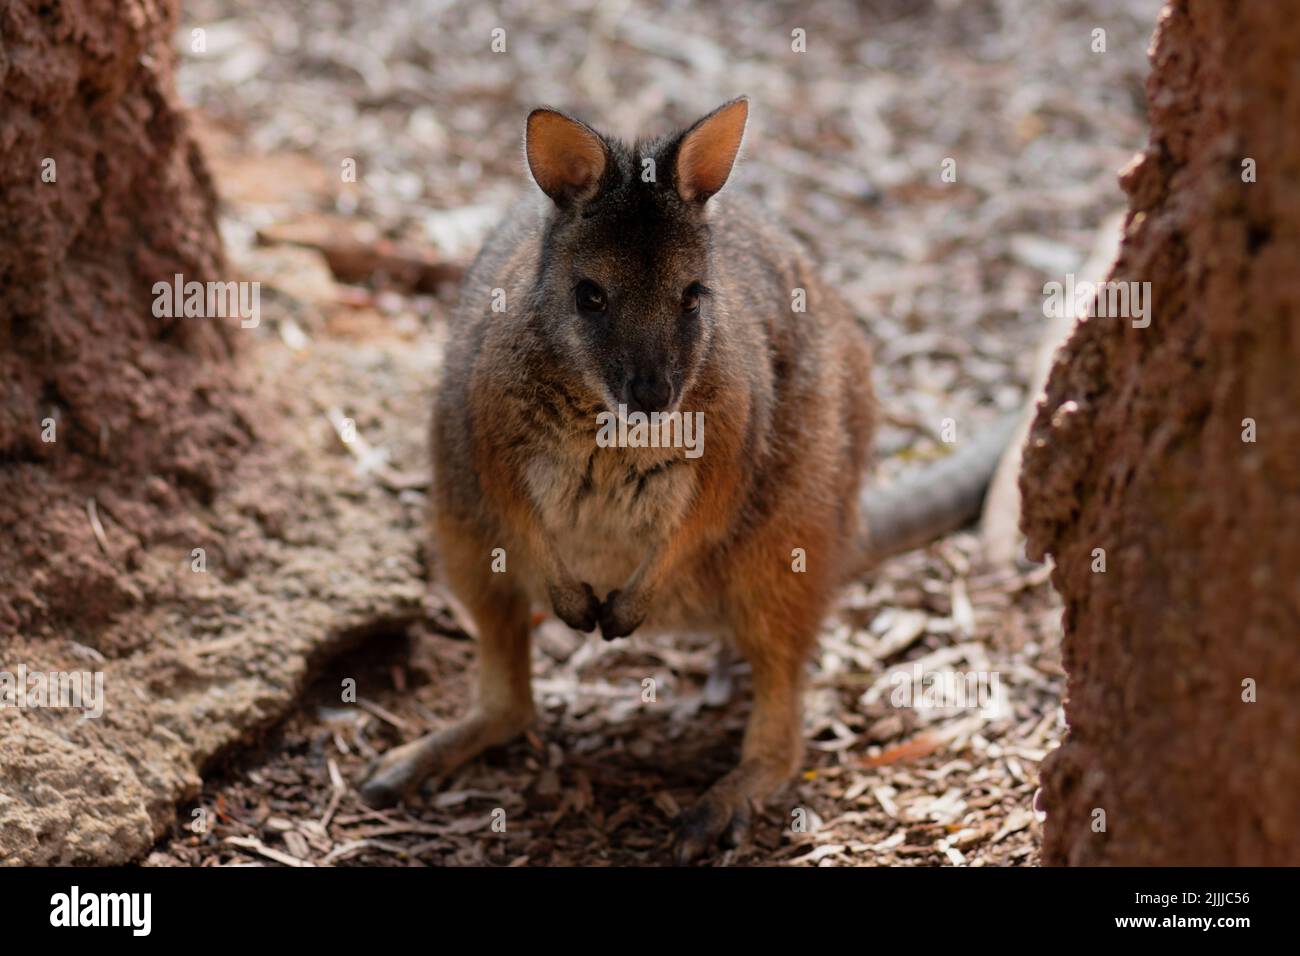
[650, 393]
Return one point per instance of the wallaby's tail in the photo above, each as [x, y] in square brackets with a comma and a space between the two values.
[934, 499]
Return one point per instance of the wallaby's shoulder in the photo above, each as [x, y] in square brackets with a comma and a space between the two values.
[510, 254]
[769, 278]
[741, 223]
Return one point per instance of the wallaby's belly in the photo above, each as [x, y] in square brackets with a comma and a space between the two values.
[597, 549]
[605, 515]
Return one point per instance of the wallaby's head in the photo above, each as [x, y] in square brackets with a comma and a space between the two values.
[623, 289]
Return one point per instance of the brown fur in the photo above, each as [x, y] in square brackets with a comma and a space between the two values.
[646, 538]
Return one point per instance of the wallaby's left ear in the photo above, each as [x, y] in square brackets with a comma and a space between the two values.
[707, 151]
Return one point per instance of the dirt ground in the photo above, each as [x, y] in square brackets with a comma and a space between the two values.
[847, 143]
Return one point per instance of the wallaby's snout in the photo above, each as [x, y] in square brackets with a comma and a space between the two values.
[640, 342]
[648, 391]
[643, 352]
[658, 350]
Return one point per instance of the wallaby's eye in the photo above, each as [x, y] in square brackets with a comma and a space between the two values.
[589, 298]
[691, 298]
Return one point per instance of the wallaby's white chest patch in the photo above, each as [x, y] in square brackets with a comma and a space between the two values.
[605, 511]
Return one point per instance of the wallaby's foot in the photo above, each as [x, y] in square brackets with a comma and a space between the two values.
[391, 777]
[770, 756]
[396, 774]
[722, 816]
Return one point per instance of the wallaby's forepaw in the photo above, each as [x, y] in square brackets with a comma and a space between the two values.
[576, 605]
[620, 615]
[722, 815]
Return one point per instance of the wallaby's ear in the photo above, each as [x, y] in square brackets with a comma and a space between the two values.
[708, 149]
[567, 158]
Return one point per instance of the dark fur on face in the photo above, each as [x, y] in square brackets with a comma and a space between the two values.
[624, 290]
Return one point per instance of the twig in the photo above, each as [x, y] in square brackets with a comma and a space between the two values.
[372, 460]
[340, 787]
[386, 716]
[92, 511]
[260, 848]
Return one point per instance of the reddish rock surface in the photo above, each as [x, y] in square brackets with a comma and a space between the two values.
[1138, 450]
[109, 195]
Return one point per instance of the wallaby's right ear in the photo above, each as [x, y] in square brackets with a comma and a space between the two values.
[567, 158]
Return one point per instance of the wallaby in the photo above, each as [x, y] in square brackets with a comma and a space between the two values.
[632, 291]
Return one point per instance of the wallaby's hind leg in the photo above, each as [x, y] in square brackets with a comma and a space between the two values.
[503, 709]
[773, 742]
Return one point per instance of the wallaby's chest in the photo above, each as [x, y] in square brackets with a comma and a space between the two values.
[605, 510]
